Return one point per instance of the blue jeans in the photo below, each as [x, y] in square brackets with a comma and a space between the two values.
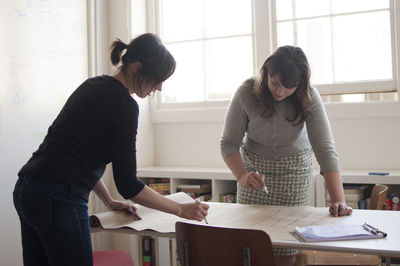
[54, 232]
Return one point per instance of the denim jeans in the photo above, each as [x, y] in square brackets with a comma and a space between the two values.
[53, 232]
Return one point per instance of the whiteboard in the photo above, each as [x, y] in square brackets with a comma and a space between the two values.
[43, 58]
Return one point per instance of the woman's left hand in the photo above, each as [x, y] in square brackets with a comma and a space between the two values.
[120, 205]
[340, 209]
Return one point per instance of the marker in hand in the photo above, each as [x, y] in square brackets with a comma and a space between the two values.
[134, 213]
[265, 187]
[205, 219]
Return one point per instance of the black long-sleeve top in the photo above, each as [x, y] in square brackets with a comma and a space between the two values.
[96, 126]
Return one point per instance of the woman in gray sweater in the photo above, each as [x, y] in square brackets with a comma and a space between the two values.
[273, 125]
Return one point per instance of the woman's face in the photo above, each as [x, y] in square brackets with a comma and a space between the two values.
[147, 88]
[278, 91]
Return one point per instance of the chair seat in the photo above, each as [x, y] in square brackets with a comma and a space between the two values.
[112, 258]
[311, 257]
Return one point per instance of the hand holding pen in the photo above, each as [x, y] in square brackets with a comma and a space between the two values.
[253, 180]
[124, 205]
[263, 180]
[205, 218]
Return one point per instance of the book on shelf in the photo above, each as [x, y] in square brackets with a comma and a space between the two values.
[355, 188]
[160, 185]
[205, 197]
[195, 188]
[201, 197]
[337, 232]
[227, 197]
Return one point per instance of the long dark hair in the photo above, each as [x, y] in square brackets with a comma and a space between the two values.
[290, 63]
[157, 62]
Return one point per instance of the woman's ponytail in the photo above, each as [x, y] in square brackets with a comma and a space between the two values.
[116, 49]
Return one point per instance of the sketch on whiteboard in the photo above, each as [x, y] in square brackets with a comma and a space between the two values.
[16, 98]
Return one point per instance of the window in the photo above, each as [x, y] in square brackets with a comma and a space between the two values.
[350, 44]
[212, 44]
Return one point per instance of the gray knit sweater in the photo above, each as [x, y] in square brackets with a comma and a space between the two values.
[275, 137]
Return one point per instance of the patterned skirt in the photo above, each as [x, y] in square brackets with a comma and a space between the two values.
[288, 181]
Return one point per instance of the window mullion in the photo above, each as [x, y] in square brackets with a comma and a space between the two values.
[395, 38]
[332, 45]
[205, 89]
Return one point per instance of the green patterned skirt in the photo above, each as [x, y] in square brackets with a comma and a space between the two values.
[288, 181]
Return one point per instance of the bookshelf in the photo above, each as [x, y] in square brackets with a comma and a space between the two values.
[357, 177]
[221, 179]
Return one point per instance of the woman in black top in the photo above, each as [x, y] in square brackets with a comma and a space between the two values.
[97, 125]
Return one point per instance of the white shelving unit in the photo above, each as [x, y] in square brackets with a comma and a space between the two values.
[355, 177]
[222, 180]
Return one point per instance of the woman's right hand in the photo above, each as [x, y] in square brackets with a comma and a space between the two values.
[252, 180]
[193, 211]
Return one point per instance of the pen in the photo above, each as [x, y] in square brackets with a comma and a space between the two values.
[366, 227]
[265, 187]
[373, 230]
[134, 213]
[205, 219]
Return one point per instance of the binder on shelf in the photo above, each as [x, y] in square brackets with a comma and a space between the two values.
[147, 251]
[338, 232]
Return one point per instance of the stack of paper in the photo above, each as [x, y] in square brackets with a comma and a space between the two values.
[337, 232]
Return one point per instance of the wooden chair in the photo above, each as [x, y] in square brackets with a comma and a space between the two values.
[200, 245]
[112, 258]
[312, 257]
[378, 197]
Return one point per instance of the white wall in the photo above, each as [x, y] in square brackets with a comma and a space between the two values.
[187, 144]
[43, 51]
[362, 143]
[371, 143]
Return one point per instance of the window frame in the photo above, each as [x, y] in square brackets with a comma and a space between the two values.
[264, 41]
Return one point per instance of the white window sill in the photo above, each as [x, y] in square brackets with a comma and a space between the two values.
[336, 111]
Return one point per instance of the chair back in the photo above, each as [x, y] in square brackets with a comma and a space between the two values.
[200, 245]
[378, 197]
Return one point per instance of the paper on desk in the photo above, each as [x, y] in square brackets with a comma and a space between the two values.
[152, 219]
[334, 232]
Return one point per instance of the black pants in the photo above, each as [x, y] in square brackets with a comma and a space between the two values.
[53, 232]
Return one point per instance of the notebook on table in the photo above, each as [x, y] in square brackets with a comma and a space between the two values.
[338, 232]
